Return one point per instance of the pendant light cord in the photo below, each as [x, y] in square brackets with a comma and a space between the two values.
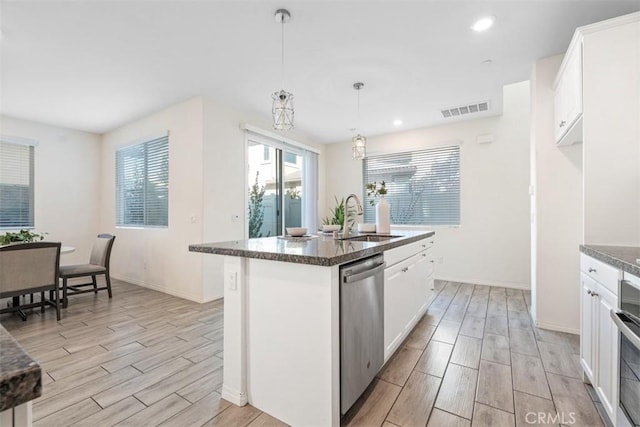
[358, 130]
[282, 56]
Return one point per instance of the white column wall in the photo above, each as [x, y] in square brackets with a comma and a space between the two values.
[67, 175]
[224, 183]
[492, 245]
[159, 258]
[557, 219]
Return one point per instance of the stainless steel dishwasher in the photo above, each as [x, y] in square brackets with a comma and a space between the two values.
[361, 327]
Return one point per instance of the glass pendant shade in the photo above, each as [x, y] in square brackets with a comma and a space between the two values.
[282, 110]
[359, 147]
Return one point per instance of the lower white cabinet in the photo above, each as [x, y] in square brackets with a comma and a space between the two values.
[598, 334]
[607, 356]
[408, 290]
[588, 326]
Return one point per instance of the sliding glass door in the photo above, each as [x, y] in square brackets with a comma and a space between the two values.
[282, 181]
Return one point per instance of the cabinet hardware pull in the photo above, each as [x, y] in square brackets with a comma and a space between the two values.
[588, 291]
[562, 124]
[432, 261]
[594, 294]
[424, 246]
[592, 270]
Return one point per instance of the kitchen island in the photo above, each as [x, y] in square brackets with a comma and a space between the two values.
[20, 382]
[282, 316]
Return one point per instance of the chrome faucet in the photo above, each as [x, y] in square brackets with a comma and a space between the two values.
[345, 226]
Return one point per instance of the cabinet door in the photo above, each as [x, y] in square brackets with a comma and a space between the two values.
[568, 94]
[397, 300]
[588, 326]
[572, 80]
[559, 120]
[607, 370]
[407, 290]
[421, 272]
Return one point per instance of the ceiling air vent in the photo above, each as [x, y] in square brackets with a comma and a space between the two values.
[465, 109]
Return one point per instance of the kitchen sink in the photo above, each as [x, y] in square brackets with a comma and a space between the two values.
[371, 238]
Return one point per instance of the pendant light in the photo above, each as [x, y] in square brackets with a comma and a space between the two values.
[282, 108]
[359, 146]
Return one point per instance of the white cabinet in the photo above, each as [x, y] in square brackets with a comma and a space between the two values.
[607, 355]
[588, 327]
[598, 334]
[408, 290]
[568, 98]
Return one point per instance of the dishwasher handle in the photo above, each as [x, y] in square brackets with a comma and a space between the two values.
[624, 329]
[368, 273]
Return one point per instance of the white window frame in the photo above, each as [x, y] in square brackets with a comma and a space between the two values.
[260, 136]
[31, 144]
[456, 145]
[119, 223]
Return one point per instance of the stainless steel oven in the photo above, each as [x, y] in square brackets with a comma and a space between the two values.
[627, 319]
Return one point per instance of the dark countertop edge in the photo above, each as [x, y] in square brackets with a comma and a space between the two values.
[308, 259]
[600, 253]
[22, 382]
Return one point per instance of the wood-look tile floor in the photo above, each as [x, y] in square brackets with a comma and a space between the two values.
[145, 358]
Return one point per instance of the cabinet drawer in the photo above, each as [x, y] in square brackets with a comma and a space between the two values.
[600, 272]
[395, 255]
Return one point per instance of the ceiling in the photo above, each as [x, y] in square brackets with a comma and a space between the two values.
[96, 65]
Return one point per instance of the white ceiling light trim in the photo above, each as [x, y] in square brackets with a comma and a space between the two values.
[483, 24]
[282, 107]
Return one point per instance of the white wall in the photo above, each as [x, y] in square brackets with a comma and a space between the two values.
[67, 173]
[159, 258]
[225, 185]
[493, 242]
[557, 217]
[612, 135]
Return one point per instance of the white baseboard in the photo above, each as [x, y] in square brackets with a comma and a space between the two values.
[190, 297]
[557, 328]
[236, 397]
[512, 285]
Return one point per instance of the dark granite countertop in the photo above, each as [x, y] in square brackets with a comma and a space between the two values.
[318, 250]
[626, 258]
[20, 375]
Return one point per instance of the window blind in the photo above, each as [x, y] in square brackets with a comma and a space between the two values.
[142, 184]
[16, 185]
[423, 187]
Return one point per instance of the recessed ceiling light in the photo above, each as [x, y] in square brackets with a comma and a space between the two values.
[483, 24]
[397, 122]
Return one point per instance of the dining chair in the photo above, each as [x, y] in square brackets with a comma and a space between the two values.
[27, 268]
[98, 265]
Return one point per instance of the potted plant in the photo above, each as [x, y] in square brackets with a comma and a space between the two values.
[374, 191]
[337, 215]
[22, 236]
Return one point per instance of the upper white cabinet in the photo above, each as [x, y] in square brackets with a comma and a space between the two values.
[568, 98]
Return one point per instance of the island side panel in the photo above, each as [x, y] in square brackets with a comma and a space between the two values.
[234, 388]
[293, 337]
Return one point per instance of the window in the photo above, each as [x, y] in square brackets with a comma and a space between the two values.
[16, 185]
[423, 187]
[142, 184]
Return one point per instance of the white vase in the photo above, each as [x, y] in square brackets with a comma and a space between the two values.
[383, 216]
